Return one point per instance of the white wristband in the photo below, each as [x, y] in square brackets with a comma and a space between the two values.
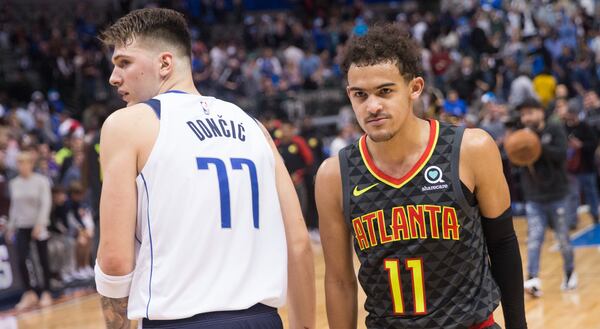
[112, 286]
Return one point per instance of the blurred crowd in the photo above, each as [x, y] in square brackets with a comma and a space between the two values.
[481, 58]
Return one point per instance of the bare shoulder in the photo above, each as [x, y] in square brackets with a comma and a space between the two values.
[127, 123]
[125, 119]
[477, 143]
[329, 170]
[328, 188]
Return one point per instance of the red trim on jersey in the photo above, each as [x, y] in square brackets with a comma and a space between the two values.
[398, 182]
[485, 324]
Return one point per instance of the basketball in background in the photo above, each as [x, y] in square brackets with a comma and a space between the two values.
[523, 147]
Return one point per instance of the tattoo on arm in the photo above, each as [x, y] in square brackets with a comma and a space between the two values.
[115, 312]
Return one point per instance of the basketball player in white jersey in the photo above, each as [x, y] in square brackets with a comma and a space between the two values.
[200, 225]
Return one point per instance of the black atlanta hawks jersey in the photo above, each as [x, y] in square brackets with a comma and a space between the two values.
[424, 262]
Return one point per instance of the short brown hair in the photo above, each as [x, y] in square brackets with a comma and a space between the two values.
[385, 43]
[151, 23]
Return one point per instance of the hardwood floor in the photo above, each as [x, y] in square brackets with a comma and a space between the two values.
[554, 310]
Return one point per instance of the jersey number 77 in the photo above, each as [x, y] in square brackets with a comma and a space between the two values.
[236, 164]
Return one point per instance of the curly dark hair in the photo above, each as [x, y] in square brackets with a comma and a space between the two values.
[386, 43]
[152, 23]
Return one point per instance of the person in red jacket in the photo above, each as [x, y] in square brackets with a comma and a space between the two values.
[297, 156]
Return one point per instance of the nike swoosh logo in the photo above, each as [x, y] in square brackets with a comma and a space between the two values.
[358, 192]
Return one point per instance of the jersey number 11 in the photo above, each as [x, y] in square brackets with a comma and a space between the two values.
[415, 266]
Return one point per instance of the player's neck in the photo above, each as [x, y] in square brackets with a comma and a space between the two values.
[410, 142]
[180, 83]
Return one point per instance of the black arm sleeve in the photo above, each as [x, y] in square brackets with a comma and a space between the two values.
[507, 268]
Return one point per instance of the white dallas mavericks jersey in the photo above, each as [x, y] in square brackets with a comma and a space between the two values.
[209, 226]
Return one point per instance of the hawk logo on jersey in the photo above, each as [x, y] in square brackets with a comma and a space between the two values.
[358, 192]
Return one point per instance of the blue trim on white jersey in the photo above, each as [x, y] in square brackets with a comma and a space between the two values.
[151, 249]
[155, 105]
[176, 92]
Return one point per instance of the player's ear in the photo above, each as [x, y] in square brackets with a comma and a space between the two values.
[166, 64]
[416, 86]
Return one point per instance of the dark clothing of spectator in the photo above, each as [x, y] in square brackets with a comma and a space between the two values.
[297, 157]
[584, 155]
[546, 180]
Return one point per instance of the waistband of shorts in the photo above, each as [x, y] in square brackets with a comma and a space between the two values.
[485, 324]
[215, 316]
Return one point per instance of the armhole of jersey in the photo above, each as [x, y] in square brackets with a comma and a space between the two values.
[155, 105]
[456, 182]
[343, 158]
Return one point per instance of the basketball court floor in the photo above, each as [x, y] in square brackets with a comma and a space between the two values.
[554, 310]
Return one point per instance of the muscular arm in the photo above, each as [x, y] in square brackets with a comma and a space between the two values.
[117, 212]
[301, 269]
[481, 169]
[340, 280]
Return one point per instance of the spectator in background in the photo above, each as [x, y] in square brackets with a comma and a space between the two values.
[43, 130]
[38, 107]
[202, 69]
[467, 80]
[440, 63]
[297, 157]
[230, 81]
[270, 100]
[563, 66]
[521, 89]
[69, 126]
[82, 225]
[344, 138]
[47, 165]
[455, 106]
[73, 169]
[269, 65]
[582, 75]
[309, 65]
[25, 117]
[545, 188]
[494, 117]
[544, 85]
[29, 216]
[591, 110]
[60, 244]
[313, 138]
[582, 143]
[4, 191]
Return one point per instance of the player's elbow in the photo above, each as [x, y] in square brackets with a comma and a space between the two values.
[115, 264]
[300, 248]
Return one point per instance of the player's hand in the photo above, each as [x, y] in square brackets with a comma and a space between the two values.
[35, 233]
[297, 178]
[575, 142]
[8, 236]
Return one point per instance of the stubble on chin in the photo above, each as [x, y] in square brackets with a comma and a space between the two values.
[380, 137]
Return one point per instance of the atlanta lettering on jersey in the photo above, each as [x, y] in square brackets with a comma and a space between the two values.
[209, 128]
[407, 223]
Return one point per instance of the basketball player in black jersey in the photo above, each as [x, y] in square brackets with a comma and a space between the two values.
[425, 203]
